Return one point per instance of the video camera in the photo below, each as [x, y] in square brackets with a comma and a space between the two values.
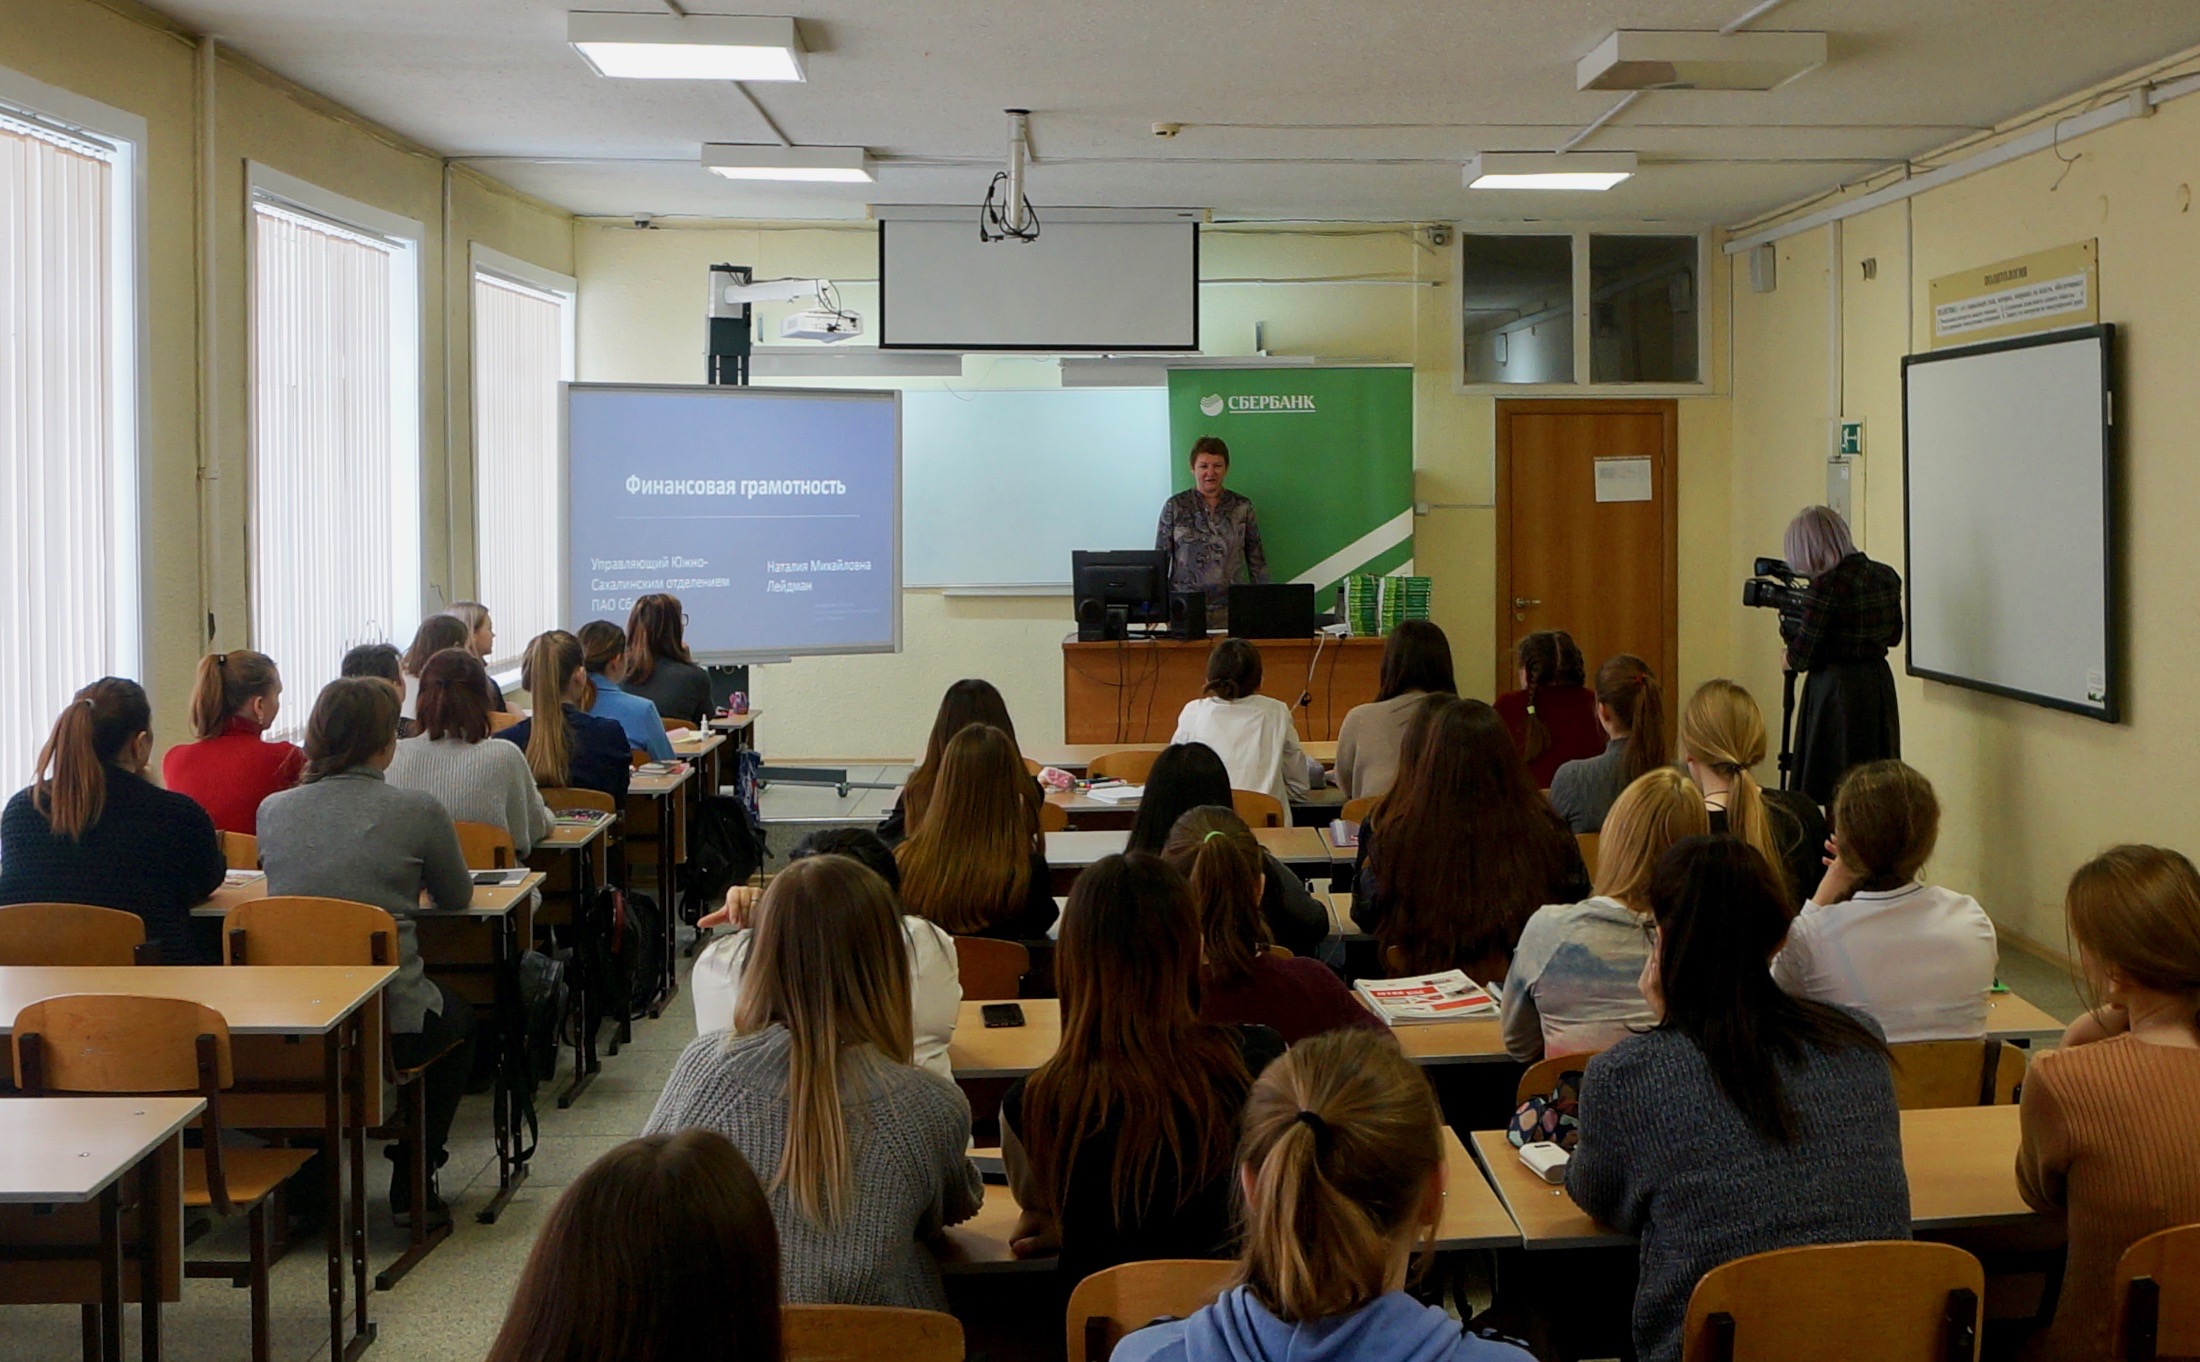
[1774, 586]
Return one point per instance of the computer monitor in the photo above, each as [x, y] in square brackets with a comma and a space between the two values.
[1282, 610]
[1135, 579]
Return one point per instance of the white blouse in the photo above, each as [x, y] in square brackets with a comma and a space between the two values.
[1255, 738]
[1919, 959]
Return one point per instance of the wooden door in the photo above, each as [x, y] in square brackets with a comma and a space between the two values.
[1604, 570]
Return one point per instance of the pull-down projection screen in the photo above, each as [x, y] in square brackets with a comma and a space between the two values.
[2009, 489]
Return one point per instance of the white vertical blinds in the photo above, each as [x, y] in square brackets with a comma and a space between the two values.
[519, 360]
[331, 542]
[59, 280]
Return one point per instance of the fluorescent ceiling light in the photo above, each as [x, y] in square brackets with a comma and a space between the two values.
[686, 47]
[1590, 170]
[1635, 59]
[822, 165]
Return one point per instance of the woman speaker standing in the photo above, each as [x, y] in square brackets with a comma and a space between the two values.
[1850, 616]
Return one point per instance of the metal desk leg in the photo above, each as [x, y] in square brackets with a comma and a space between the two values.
[585, 955]
[149, 1257]
[505, 1114]
[332, 1133]
[355, 1044]
[110, 1273]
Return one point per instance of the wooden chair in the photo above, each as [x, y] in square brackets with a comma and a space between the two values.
[1257, 809]
[1053, 818]
[675, 725]
[1956, 1073]
[1588, 844]
[501, 719]
[1132, 766]
[861, 1333]
[70, 934]
[1883, 1301]
[991, 971]
[2158, 1296]
[1357, 810]
[487, 846]
[562, 799]
[120, 1044]
[1543, 1075]
[242, 852]
[1110, 1304]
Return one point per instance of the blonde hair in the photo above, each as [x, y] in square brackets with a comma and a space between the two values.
[967, 863]
[1649, 816]
[1724, 730]
[829, 964]
[2136, 909]
[550, 662]
[1887, 820]
[226, 682]
[1342, 1138]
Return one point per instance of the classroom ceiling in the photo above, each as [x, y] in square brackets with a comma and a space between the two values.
[1291, 109]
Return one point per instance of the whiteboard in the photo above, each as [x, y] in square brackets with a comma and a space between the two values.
[1083, 285]
[999, 486]
[2010, 519]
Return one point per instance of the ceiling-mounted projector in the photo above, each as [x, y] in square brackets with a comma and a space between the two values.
[821, 324]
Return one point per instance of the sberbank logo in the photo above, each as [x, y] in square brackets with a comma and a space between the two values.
[1211, 405]
[1256, 404]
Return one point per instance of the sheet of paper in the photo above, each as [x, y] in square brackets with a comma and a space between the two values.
[1623, 479]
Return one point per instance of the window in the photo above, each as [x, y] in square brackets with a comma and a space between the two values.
[1642, 309]
[1567, 310]
[523, 349]
[335, 470]
[1517, 299]
[68, 413]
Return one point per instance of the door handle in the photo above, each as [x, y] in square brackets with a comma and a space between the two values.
[1522, 602]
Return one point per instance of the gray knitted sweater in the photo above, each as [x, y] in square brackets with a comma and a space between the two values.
[477, 782]
[907, 1129]
[1666, 1157]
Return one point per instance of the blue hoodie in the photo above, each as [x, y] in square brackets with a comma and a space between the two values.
[1238, 1328]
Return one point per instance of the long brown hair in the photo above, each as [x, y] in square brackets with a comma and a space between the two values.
[1547, 657]
[454, 696]
[1233, 670]
[1627, 687]
[1344, 1142]
[550, 662]
[1466, 848]
[1886, 821]
[969, 701]
[1221, 861]
[1723, 729]
[968, 864]
[70, 786]
[226, 683]
[662, 1251]
[829, 964]
[1134, 1054]
[435, 633]
[1648, 818]
[656, 629]
[1416, 657]
[2136, 910]
[354, 717]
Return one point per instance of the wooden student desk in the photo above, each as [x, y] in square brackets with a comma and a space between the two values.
[659, 805]
[325, 1001]
[1131, 692]
[1077, 756]
[59, 1156]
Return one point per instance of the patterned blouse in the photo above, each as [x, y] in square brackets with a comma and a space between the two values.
[1211, 549]
[1851, 613]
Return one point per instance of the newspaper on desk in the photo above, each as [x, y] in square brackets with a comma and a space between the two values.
[1449, 996]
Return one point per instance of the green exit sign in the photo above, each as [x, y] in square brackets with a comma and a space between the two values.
[1850, 439]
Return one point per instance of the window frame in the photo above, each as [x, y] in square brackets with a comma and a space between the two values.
[1584, 339]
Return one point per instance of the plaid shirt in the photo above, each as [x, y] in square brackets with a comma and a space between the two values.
[1852, 613]
[1211, 549]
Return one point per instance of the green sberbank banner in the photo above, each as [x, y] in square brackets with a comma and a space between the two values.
[1325, 454]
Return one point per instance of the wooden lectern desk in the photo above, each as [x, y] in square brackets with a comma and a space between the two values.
[1130, 692]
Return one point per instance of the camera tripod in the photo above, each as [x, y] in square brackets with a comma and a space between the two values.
[1787, 727]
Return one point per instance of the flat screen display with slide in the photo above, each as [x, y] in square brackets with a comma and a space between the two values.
[773, 514]
[2011, 521]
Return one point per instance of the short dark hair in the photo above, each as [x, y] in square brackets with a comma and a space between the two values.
[1209, 444]
[374, 659]
[1233, 670]
[354, 718]
[1416, 657]
[454, 696]
[860, 845]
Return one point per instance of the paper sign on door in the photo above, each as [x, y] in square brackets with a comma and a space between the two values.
[1623, 479]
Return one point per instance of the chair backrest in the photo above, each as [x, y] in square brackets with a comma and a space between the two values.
[1259, 810]
[486, 846]
[68, 934]
[2158, 1296]
[118, 1043]
[1587, 841]
[1053, 818]
[1883, 1301]
[1543, 1075]
[1111, 1303]
[501, 719]
[1956, 1073]
[240, 850]
[295, 930]
[1357, 810]
[992, 971]
[861, 1333]
[560, 798]
[1133, 766]
[675, 725]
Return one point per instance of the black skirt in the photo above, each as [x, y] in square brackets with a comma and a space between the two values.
[1847, 717]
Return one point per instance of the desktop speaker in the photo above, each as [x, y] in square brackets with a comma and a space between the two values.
[1092, 617]
[1187, 614]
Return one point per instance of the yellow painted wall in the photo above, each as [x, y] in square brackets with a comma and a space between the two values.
[138, 62]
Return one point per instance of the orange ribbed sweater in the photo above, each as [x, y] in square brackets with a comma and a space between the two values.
[2112, 1140]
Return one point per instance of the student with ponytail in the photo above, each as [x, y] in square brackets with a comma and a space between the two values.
[603, 653]
[1723, 742]
[1240, 980]
[1631, 709]
[92, 829]
[1342, 1170]
[1551, 713]
[231, 767]
[564, 743]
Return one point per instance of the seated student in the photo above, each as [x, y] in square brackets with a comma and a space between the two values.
[1463, 849]
[1188, 776]
[1119, 1147]
[1573, 982]
[565, 745]
[663, 1250]
[935, 974]
[435, 633]
[481, 641]
[380, 661]
[659, 667]
[1251, 732]
[975, 865]
[1342, 1168]
[603, 654]
[1631, 708]
[2108, 1118]
[969, 701]
[475, 780]
[1416, 662]
[1875, 937]
[1239, 980]
[1722, 742]
[1748, 1120]
[230, 766]
[1551, 713]
[347, 833]
[92, 829]
[862, 1150]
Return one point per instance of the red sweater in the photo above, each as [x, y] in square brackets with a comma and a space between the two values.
[1569, 715]
[230, 773]
[1298, 997]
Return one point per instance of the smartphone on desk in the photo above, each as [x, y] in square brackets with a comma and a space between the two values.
[1001, 1014]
